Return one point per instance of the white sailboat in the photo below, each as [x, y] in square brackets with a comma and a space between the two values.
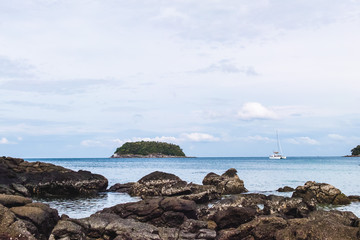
[277, 154]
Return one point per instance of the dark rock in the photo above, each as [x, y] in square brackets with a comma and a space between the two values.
[228, 183]
[354, 198]
[233, 217]
[44, 179]
[12, 227]
[321, 225]
[40, 215]
[26, 220]
[321, 193]
[286, 189]
[121, 188]
[263, 227]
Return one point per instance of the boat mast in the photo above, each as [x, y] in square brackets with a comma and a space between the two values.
[278, 142]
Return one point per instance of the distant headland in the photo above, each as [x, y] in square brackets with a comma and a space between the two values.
[148, 149]
[355, 152]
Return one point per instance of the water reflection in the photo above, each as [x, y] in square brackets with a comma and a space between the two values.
[81, 207]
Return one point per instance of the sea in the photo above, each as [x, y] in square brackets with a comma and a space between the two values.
[260, 175]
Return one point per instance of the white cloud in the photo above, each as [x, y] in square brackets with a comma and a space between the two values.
[4, 141]
[336, 136]
[257, 138]
[303, 140]
[254, 110]
[199, 137]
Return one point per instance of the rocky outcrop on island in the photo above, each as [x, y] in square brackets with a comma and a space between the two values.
[19, 177]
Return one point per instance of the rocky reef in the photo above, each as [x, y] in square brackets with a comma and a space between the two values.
[19, 177]
[171, 208]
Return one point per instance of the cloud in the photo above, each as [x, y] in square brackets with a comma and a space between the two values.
[303, 140]
[257, 138]
[4, 140]
[14, 68]
[254, 110]
[226, 66]
[336, 136]
[199, 137]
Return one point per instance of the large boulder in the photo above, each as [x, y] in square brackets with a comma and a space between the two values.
[168, 185]
[227, 183]
[162, 212]
[44, 179]
[321, 193]
[22, 219]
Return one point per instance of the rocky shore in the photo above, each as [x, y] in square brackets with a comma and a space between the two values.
[171, 208]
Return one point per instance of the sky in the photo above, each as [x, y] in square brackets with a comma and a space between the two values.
[78, 78]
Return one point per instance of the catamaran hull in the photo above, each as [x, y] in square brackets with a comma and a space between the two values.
[271, 157]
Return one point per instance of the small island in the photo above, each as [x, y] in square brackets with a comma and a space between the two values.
[148, 149]
[355, 152]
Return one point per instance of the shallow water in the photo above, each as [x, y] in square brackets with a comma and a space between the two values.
[260, 175]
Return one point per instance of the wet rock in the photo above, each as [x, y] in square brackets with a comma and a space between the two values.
[322, 193]
[44, 179]
[227, 183]
[286, 189]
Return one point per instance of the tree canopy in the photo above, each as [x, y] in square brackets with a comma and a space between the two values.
[355, 151]
[146, 148]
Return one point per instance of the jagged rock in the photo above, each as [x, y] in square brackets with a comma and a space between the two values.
[317, 226]
[286, 189]
[160, 218]
[321, 193]
[227, 183]
[289, 207]
[44, 179]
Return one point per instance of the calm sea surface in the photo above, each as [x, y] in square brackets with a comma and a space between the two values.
[260, 175]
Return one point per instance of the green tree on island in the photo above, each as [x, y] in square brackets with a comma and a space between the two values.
[146, 148]
[355, 151]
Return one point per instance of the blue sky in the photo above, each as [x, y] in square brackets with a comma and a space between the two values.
[80, 78]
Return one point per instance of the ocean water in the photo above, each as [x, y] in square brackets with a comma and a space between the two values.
[260, 175]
